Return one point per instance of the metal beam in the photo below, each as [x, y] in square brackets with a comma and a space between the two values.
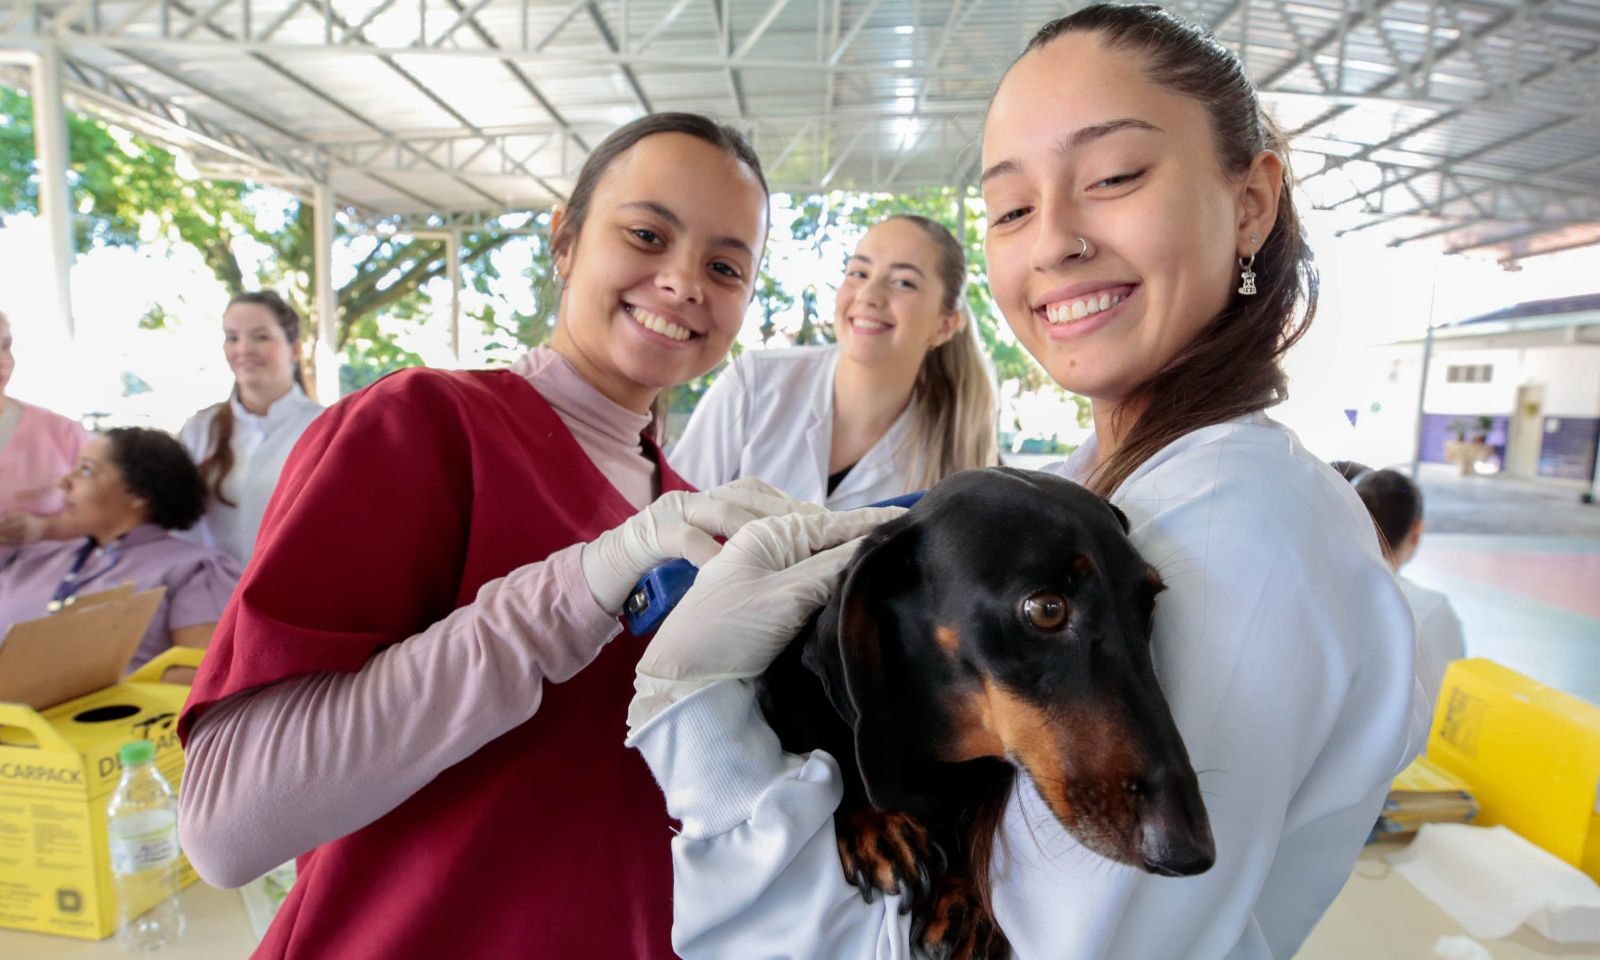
[1406, 76]
[522, 79]
[794, 143]
[760, 29]
[655, 32]
[1444, 117]
[612, 45]
[854, 31]
[278, 21]
[575, 57]
[723, 14]
[129, 103]
[355, 31]
[838, 162]
[1305, 55]
[469, 15]
[421, 88]
[204, 18]
[1443, 229]
[1504, 238]
[1488, 148]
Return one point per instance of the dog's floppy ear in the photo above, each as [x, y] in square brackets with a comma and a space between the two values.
[858, 646]
[1122, 518]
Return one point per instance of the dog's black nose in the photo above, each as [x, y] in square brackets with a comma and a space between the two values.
[1176, 853]
[1174, 832]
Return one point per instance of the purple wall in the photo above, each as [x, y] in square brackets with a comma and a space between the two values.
[1568, 450]
[1436, 430]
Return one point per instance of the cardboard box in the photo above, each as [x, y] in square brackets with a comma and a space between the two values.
[58, 769]
[85, 647]
[1529, 753]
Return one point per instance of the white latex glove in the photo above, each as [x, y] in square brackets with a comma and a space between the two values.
[748, 603]
[677, 525]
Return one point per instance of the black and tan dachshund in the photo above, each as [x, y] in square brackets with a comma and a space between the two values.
[1002, 622]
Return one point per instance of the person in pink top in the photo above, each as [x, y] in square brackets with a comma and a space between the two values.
[36, 448]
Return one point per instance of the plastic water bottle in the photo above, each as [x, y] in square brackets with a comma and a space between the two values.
[142, 826]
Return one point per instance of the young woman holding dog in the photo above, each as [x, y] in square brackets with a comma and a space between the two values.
[901, 401]
[1144, 247]
[242, 443]
[415, 688]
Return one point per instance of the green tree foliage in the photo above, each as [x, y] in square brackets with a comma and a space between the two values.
[128, 191]
[125, 191]
[837, 214]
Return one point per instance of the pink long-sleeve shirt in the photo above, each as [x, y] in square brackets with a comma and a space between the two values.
[274, 772]
[36, 448]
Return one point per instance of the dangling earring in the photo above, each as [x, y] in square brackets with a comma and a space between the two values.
[1247, 272]
[1247, 276]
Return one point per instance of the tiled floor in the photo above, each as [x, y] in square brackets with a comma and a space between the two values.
[1533, 604]
[1520, 562]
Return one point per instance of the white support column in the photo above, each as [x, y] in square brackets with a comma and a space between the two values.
[1422, 386]
[52, 157]
[1422, 404]
[327, 359]
[452, 252]
[1594, 489]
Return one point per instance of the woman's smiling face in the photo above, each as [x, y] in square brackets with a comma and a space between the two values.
[658, 279]
[890, 304]
[1131, 167]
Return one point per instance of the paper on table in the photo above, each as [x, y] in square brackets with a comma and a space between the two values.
[1491, 881]
[1460, 948]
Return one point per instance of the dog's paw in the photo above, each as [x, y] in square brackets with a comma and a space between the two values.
[887, 851]
[955, 925]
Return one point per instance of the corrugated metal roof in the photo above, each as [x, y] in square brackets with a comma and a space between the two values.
[1473, 124]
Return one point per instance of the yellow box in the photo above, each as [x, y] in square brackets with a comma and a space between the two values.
[58, 769]
[1529, 753]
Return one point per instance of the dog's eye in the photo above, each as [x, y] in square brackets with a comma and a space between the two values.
[1047, 611]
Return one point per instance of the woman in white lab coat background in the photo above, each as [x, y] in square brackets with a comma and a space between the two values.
[241, 443]
[1144, 247]
[901, 400]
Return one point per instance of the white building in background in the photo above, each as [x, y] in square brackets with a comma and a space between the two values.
[1526, 380]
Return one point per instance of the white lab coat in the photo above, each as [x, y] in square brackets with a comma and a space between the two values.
[1285, 650]
[1439, 638]
[770, 415]
[261, 444]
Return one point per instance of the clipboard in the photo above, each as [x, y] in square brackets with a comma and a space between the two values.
[79, 650]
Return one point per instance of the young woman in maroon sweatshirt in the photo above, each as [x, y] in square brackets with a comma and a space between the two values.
[416, 689]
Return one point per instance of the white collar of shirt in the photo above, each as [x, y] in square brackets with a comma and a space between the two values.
[278, 411]
[1080, 464]
[877, 462]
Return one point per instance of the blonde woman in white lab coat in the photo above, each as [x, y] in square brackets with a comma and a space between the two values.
[1144, 247]
[901, 400]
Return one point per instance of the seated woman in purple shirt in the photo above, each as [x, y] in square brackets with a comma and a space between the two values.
[128, 491]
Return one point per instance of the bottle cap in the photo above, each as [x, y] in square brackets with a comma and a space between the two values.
[137, 752]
